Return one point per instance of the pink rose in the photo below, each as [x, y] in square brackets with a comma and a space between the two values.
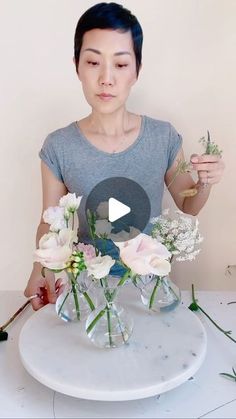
[87, 249]
[144, 255]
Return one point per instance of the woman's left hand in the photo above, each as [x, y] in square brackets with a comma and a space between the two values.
[209, 167]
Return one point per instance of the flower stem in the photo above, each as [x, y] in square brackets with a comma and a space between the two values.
[123, 279]
[76, 300]
[89, 301]
[103, 246]
[152, 298]
[174, 177]
[109, 324]
[226, 332]
[195, 306]
[119, 322]
[63, 302]
[95, 320]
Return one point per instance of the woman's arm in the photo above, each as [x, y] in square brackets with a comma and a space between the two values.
[52, 190]
[209, 169]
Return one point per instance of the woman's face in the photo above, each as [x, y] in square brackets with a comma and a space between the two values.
[107, 68]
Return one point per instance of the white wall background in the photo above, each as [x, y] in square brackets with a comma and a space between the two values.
[188, 78]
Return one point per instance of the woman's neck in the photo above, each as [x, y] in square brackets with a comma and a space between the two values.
[110, 125]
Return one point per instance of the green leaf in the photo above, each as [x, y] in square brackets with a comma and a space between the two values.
[193, 307]
[232, 377]
[3, 335]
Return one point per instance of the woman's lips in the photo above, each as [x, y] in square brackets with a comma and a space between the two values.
[106, 96]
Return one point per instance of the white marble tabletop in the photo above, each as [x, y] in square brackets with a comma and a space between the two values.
[207, 394]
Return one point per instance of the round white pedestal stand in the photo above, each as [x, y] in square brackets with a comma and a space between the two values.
[163, 352]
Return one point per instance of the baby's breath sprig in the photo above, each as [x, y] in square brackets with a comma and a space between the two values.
[180, 235]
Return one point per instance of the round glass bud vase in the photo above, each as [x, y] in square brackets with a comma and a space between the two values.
[110, 325]
[77, 299]
[159, 293]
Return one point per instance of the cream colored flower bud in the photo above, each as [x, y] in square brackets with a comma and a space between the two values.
[75, 265]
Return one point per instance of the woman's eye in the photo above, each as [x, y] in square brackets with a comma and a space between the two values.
[122, 65]
[93, 63]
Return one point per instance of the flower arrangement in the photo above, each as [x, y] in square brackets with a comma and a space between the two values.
[146, 261]
[60, 250]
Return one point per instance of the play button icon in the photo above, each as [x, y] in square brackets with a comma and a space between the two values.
[116, 209]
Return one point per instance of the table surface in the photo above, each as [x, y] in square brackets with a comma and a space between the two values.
[164, 351]
[207, 394]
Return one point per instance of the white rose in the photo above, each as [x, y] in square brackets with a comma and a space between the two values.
[55, 249]
[102, 227]
[70, 203]
[102, 210]
[55, 217]
[123, 235]
[100, 266]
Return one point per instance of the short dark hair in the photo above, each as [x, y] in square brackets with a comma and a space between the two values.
[109, 16]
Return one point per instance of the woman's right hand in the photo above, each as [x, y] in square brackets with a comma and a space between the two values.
[46, 288]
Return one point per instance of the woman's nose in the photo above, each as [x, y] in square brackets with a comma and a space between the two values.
[106, 77]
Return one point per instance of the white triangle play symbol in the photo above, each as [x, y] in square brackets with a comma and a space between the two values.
[116, 209]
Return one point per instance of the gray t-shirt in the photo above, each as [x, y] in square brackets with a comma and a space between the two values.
[81, 166]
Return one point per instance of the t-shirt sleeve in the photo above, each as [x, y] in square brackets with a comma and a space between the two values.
[175, 143]
[50, 157]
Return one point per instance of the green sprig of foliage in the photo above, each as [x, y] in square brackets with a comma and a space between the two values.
[230, 376]
[210, 146]
[194, 306]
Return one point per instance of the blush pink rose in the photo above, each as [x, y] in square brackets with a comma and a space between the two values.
[87, 249]
[144, 255]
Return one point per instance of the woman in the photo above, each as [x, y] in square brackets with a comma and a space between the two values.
[111, 141]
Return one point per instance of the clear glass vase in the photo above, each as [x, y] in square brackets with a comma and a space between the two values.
[158, 293]
[110, 325]
[77, 299]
